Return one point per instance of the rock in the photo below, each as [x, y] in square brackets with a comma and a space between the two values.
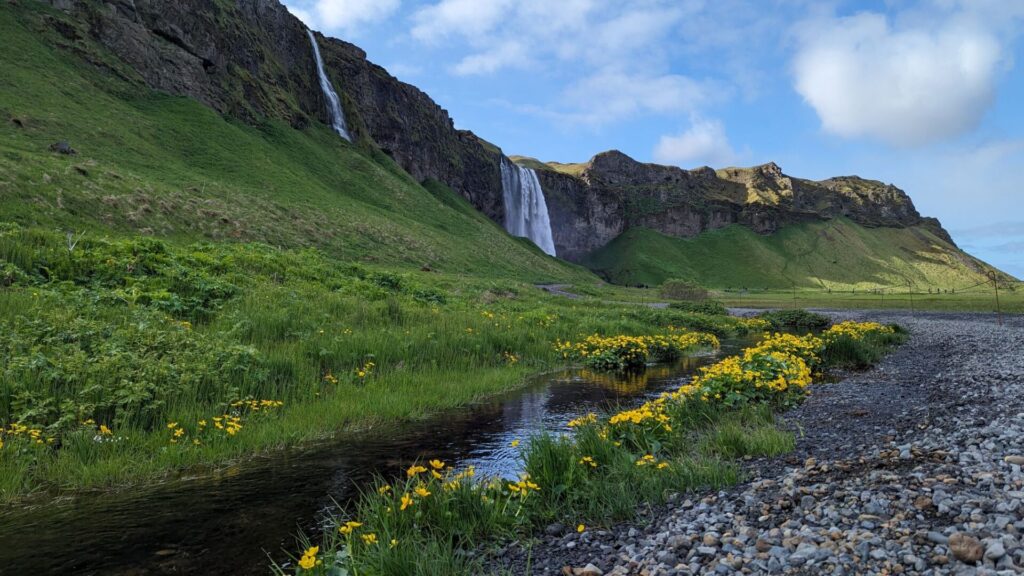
[63, 147]
[966, 548]
[995, 551]
[591, 570]
[1018, 460]
[555, 529]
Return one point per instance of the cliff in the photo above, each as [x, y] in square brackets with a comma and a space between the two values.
[593, 203]
[251, 60]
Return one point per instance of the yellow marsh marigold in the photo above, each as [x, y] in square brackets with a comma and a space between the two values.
[414, 470]
[348, 527]
[369, 539]
[406, 502]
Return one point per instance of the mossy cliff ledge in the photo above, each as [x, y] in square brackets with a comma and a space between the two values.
[593, 203]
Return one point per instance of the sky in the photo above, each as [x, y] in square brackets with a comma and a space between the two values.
[925, 94]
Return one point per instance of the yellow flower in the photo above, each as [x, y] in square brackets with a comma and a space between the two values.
[308, 560]
[514, 443]
[369, 539]
[422, 492]
[581, 528]
[172, 425]
[179, 432]
[414, 470]
[104, 430]
[662, 465]
[348, 527]
[587, 460]
[393, 543]
[436, 464]
[406, 502]
[384, 489]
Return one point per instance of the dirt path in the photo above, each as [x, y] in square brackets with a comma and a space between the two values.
[912, 467]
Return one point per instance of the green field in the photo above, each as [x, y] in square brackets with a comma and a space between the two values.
[834, 255]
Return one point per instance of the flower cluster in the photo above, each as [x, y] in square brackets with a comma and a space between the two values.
[31, 435]
[625, 352]
[856, 330]
[226, 425]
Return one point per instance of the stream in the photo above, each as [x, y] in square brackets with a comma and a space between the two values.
[235, 521]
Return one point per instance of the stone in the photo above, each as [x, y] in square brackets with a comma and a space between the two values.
[63, 147]
[555, 529]
[1014, 459]
[966, 548]
[591, 570]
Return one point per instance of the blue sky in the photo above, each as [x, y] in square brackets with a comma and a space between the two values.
[925, 94]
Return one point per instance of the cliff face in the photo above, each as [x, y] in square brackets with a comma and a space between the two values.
[251, 59]
[613, 192]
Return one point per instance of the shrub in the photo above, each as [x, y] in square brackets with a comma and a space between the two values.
[683, 290]
[795, 320]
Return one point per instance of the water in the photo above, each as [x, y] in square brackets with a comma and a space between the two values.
[333, 102]
[526, 211]
[230, 522]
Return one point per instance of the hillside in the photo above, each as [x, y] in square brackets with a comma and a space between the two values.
[156, 164]
[836, 254]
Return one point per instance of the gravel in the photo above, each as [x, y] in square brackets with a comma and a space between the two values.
[912, 467]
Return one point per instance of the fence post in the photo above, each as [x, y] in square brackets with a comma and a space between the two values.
[999, 310]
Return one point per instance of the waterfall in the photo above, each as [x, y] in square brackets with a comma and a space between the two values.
[333, 102]
[526, 211]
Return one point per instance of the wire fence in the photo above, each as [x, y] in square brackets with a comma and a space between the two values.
[991, 294]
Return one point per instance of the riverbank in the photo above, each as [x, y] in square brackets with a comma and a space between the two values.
[130, 361]
[912, 466]
[437, 518]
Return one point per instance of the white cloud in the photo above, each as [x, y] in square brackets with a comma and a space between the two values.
[704, 143]
[908, 86]
[469, 18]
[611, 95]
[349, 16]
[501, 56]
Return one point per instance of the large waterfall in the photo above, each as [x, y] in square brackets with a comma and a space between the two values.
[333, 102]
[526, 211]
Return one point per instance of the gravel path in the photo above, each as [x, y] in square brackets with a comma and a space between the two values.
[913, 467]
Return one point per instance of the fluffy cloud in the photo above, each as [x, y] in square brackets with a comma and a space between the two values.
[345, 15]
[705, 143]
[908, 86]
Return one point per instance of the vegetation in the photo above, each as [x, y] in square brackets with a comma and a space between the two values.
[795, 320]
[131, 358]
[837, 255]
[426, 522]
[683, 290]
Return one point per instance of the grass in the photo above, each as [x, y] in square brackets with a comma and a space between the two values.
[137, 334]
[600, 474]
[836, 255]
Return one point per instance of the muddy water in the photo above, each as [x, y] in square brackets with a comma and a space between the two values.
[231, 522]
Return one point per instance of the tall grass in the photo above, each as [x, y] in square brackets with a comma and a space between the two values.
[138, 334]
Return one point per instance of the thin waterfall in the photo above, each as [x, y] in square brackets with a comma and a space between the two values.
[526, 211]
[333, 102]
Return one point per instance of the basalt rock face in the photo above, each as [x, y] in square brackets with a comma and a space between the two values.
[251, 59]
[613, 192]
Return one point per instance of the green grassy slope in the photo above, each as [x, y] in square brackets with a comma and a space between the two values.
[823, 255]
[167, 166]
